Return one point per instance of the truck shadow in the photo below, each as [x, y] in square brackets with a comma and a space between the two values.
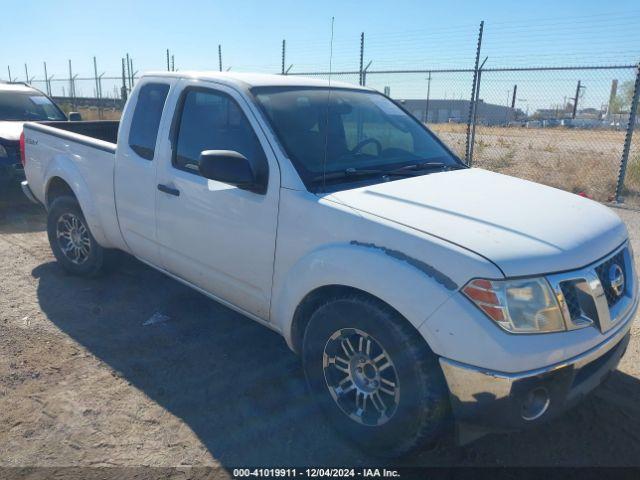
[242, 391]
[17, 213]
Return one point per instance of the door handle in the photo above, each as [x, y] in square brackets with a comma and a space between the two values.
[166, 189]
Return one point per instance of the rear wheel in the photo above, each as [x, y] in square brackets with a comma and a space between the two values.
[71, 240]
[374, 376]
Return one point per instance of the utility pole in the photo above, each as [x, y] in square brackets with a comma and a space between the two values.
[575, 100]
[219, 57]
[426, 109]
[612, 96]
[361, 58]
[173, 62]
[168, 65]
[9, 70]
[26, 73]
[506, 110]
[283, 55]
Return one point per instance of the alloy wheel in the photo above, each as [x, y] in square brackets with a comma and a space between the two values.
[73, 238]
[361, 377]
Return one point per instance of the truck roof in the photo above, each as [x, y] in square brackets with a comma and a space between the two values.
[249, 80]
[16, 87]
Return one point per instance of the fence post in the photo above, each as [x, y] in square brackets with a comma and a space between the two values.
[474, 120]
[426, 108]
[97, 79]
[627, 140]
[123, 90]
[283, 55]
[361, 59]
[364, 73]
[46, 80]
[72, 86]
[472, 102]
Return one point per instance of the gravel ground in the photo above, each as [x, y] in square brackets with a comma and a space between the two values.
[84, 382]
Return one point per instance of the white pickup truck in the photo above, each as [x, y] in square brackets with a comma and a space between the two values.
[417, 290]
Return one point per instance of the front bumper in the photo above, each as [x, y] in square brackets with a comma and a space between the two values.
[498, 401]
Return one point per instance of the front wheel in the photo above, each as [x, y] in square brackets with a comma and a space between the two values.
[71, 240]
[374, 376]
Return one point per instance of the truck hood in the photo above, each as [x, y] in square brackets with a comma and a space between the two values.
[523, 227]
[11, 130]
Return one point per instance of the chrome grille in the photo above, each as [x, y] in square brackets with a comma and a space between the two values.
[587, 296]
[571, 298]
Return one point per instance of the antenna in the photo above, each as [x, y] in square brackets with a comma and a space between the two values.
[326, 133]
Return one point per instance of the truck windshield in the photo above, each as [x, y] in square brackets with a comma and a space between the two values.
[336, 136]
[27, 106]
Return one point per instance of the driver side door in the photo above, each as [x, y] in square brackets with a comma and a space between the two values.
[214, 235]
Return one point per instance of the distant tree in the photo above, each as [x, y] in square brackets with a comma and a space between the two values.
[617, 104]
[624, 98]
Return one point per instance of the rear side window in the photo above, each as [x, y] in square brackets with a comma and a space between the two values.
[146, 119]
[213, 121]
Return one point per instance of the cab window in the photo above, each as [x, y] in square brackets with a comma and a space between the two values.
[146, 119]
[211, 120]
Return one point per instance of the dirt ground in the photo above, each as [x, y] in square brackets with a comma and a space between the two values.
[84, 382]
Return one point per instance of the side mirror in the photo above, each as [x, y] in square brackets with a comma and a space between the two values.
[231, 167]
[75, 116]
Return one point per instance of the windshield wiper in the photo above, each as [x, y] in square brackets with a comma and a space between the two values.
[359, 172]
[406, 170]
[422, 166]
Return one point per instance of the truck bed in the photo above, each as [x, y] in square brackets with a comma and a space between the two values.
[105, 130]
[83, 153]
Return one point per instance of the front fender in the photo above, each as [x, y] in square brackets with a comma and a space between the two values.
[63, 167]
[414, 288]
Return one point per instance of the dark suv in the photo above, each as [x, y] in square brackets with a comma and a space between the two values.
[20, 103]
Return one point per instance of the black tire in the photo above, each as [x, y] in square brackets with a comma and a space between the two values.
[64, 208]
[421, 408]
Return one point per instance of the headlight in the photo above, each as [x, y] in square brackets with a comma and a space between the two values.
[519, 306]
[3, 152]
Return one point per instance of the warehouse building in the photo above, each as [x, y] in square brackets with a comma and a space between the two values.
[457, 111]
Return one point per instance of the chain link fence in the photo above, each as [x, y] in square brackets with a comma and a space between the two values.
[570, 127]
[631, 185]
[576, 143]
